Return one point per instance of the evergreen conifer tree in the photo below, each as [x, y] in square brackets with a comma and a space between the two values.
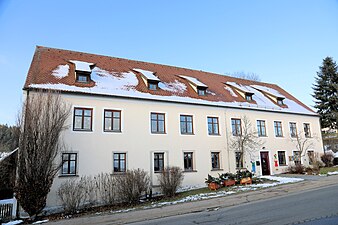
[326, 93]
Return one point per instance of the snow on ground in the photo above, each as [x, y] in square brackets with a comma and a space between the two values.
[61, 71]
[3, 155]
[333, 173]
[41, 221]
[13, 222]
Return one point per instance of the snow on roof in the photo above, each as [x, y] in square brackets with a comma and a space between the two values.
[82, 66]
[231, 91]
[61, 71]
[242, 88]
[124, 84]
[269, 91]
[173, 86]
[194, 81]
[148, 74]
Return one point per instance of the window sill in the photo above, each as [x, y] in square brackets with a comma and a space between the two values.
[188, 134]
[82, 130]
[189, 171]
[118, 173]
[283, 165]
[112, 131]
[217, 169]
[279, 136]
[263, 136]
[158, 132]
[214, 134]
[68, 175]
[158, 171]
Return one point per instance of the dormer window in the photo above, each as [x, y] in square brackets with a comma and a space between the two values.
[248, 97]
[201, 92]
[82, 70]
[152, 86]
[280, 101]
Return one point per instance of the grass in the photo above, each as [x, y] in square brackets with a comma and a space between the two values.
[325, 170]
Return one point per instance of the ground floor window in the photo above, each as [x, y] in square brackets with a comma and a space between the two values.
[239, 159]
[215, 161]
[120, 162]
[69, 163]
[296, 157]
[158, 162]
[188, 161]
[311, 156]
[281, 158]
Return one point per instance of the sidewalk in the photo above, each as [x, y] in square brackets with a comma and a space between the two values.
[198, 206]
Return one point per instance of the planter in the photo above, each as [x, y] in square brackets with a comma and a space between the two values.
[213, 186]
[228, 183]
[246, 180]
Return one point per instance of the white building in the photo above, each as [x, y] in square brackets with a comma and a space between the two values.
[128, 114]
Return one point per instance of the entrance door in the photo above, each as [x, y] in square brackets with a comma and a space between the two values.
[265, 163]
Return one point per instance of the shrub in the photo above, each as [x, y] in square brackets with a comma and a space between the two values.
[72, 194]
[327, 159]
[131, 185]
[106, 186]
[296, 169]
[170, 179]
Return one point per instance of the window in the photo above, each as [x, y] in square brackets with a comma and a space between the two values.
[307, 130]
[311, 156]
[188, 161]
[248, 97]
[278, 129]
[293, 130]
[69, 161]
[201, 92]
[112, 120]
[236, 127]
[82, 77]
[296, 157]
[261, 128]
[152, 86]
[239, 159]
[157, 123]
[82, 119]
[280, 101]
[213, 126]
[120, 162]
[186, 124]
[281, 158]
[158, 162]
[215, 160]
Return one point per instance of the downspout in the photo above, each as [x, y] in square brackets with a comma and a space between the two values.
[227, 140]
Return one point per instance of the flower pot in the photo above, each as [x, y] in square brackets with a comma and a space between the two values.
[246, 180]
[228, 183]
[213, 186]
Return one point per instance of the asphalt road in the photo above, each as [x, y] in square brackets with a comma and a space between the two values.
[312, 207]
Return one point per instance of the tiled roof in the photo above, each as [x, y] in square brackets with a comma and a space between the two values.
[53, 69]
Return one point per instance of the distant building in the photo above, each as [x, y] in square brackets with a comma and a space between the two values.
[129, 114]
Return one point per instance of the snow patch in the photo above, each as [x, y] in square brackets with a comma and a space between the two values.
[41, 221]
[13, 222]
[148, 74]
[333, 173]
[61, 71]
[176, 86]
[82, 66]
[194, 81]
[231, 91]
[267, 90]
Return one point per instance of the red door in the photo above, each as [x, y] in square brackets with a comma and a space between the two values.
[265, 163]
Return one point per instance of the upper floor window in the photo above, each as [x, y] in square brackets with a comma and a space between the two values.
[281, 158]
[215, 161]
[112, 120]
[293, 129]
[213, 128]
[188, 161]
[158, 162]
[261, 128]
[236, 127]
[248, 97]
[186, 124]
[82, 119]
[307, 130]
[278, 129]
[69, 161]
[120, 162]
[157, 123]
[82, 77]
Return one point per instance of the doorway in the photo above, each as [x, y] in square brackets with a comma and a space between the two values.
[265, 163]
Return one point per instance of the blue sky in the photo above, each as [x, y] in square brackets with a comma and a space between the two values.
[283, 41]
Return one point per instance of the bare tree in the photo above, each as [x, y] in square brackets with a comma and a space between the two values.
[247, 76]
[245, 141]
[303, 144]
[41, 122]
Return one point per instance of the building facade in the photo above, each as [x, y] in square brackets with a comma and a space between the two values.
[129, 114]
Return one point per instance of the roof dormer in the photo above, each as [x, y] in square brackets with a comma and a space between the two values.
[149, 78]
[83, 71]
[197, 85]
[243, 91]
[272, 94]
